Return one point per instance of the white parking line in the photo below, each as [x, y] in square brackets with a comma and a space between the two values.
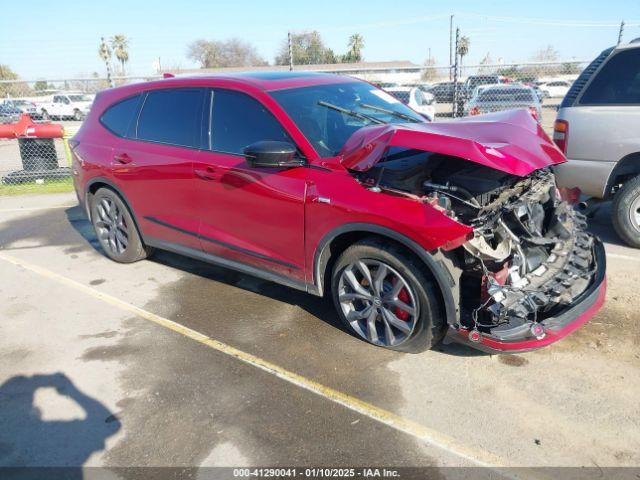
[420, 432]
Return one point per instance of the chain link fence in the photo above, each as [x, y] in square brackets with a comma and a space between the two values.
[439, 93]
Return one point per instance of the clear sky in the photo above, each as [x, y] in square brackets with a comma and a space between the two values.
[58, 39]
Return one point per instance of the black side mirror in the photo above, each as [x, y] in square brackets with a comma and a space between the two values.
[270, 153]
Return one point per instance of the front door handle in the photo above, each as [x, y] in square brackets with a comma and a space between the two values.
[207, 174]
[122, 158]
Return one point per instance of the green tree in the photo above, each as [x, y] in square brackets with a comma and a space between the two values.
[356, 45]
[308, 48]
[120, 48]
[13, 89]
[40, 85]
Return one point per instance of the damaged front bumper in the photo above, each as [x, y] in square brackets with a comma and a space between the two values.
[554, 328]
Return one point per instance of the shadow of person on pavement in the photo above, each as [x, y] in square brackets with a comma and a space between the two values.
[28, 440]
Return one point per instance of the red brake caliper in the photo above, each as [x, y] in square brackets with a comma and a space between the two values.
[403, 296]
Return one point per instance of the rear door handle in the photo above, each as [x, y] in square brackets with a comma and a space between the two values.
[122, 158]
[207, 174]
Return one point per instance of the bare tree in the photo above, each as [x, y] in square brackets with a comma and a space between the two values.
[230, 53]
[430, 73]
[547, 54]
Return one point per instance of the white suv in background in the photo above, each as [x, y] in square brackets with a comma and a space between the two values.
[598, 128]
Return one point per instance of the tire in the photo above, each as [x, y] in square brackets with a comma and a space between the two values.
[115, 229]
[77, 115]
[404, 274]
[45, 115]
[626, 212]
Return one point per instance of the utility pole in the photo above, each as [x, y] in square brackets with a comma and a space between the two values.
[455, 111]
[290, 51]
[620, 32]
[450, 44]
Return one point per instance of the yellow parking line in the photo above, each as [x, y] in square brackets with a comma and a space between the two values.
[420, 432]
[33, 209]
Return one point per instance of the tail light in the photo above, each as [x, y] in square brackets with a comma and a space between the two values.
[561, 134]
[534, 113]
[474, 111]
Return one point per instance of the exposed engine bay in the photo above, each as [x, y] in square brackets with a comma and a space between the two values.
[530, 255]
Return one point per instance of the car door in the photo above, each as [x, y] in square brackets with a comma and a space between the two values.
[154, 165]
[254, 216]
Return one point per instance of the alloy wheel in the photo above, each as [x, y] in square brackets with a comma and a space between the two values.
[378, 302]
[634, 213]
[111, 226]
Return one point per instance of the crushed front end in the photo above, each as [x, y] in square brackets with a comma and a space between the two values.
[531, 274]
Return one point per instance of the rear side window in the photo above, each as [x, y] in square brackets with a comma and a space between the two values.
[172, 116]
[617, 83]
[118, 117]
[239, 120]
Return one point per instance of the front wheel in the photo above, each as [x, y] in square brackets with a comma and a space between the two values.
[45, 115]
[385, 296]
[626, 212]
[115, 228]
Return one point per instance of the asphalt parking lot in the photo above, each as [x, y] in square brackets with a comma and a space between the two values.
[172, 362]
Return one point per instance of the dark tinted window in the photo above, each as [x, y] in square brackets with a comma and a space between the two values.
[118, 117]
[172, 116]
[239, 120]
[618, 82]
[506, 95]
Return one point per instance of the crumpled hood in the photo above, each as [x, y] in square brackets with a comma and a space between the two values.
[509, 141]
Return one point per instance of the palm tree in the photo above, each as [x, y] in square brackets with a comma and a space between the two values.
[120, 46]
[463, 47]
[356, 45]
[104, 52]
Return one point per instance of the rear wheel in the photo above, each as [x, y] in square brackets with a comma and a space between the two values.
[45, 115]
[115, 228]
[626, 212]
[385, 296]
[77, 115]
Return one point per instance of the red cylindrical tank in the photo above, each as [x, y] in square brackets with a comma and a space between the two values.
[25, 127]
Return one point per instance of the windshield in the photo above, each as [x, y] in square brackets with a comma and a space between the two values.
[80, 98]
[313, 110]
[506, 95]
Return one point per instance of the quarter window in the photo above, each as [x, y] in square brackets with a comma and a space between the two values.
[239, 120]
[618, 83]
[118, 117]
[172, 116]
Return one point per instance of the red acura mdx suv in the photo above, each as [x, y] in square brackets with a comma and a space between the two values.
[329, 185]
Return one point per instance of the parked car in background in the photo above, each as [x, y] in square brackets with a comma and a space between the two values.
[9, 113]
[474, 81]
[417, 99]
[326, 184]
[443, 92]
[598, 129]
[66, 106]
[556, 88]
[496, 98]
[25, 106]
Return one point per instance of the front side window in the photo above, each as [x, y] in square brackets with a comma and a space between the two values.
[238, 120]
[617, 83]
[118, 117]
[329, 114]
[172, 116]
